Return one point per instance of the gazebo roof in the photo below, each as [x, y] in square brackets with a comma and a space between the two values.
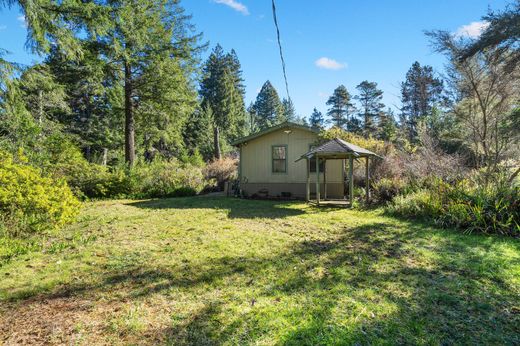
[338, 148]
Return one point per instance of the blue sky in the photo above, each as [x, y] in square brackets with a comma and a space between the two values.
[326, 43]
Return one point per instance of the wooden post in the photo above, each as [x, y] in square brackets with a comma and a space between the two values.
[317, 180]
[308, 190]
[324, 179]
[367, 180]
[351, 180]
[343, 176]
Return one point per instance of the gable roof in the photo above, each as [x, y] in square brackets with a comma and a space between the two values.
[284, 125]
[337, 146]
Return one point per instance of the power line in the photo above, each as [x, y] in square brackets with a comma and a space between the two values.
[281, 52]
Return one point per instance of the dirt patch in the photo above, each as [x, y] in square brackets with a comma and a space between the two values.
[47, 321]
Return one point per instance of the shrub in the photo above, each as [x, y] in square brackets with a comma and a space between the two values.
[96, 181]
[159, 178]
[494, 209]
[421, 203]
[169, 179]
[372, 144]
[30, 202]
[222, 170]
[466, 204]
[385, 189]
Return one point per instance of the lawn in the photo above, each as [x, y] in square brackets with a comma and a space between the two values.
[209, 270]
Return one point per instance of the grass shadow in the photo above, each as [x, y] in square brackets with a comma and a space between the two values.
[236, 208]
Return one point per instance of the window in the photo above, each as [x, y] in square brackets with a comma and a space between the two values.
[313, 162]
[313, 165]
[279, 156]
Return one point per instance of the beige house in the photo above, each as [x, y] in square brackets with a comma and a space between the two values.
[271, 165]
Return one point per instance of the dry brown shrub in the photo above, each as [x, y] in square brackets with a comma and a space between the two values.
[222, 170]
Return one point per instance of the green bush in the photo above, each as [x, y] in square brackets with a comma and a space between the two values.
[159, 178]
[422, 203]
[385, 189]
[466, 204]
[30, 202]
[96, 181]
[169, 179]
[490, 210]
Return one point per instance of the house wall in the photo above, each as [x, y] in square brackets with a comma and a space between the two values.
[256, 166]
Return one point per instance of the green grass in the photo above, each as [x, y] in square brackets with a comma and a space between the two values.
[206, 271]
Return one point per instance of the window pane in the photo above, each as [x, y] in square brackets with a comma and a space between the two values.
[279, 153]
[279, 166]
[313, 165]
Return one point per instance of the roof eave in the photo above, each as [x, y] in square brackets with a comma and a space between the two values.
[283, 125]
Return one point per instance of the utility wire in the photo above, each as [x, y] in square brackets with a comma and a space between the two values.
[281, 52]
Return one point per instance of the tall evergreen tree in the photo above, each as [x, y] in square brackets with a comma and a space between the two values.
[289, 112]
[151, 48]
[419, 93]
[94, 100]
[26, 107]
[370, 98]
[222, 91]
[252, 119]
[53, 23]
[268, 107]
[387, 127]
[316, 119]
[196, 133]
[341, 109]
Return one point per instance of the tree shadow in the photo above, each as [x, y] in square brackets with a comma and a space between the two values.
[236, 208]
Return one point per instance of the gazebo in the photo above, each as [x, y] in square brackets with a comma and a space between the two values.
[333, 150]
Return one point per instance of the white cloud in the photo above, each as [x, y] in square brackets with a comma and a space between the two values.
[322, 95]
[3, 27]
[329, 64]
[471, 30]
[22, 20]
[237, 6]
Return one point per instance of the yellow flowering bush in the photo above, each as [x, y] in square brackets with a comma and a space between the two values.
[30, 202]
[370, 143]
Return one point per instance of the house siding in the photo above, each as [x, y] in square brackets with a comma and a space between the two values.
[256, 166]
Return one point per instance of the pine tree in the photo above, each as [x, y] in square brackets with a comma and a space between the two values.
[316, 119]
[370, 98]
[268, 107]
[197, 135]
[289, 112]
[341, 109]
[419, 93]
[222, 91]
[52, 23]
[387, 127]
[502, 35]
[150, 47]
[252, 119]
[93, 100]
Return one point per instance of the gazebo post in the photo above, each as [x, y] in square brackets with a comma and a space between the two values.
[324, 179]
[351, 179]
[308, 187]
[343, 176]
[367, 179]
[317, 180]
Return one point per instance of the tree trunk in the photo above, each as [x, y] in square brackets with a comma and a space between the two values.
[88, 153]
[216, 142]
[129, 118]
[40, 106]
[105, 157]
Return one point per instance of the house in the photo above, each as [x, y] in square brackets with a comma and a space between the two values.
[271, 165]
